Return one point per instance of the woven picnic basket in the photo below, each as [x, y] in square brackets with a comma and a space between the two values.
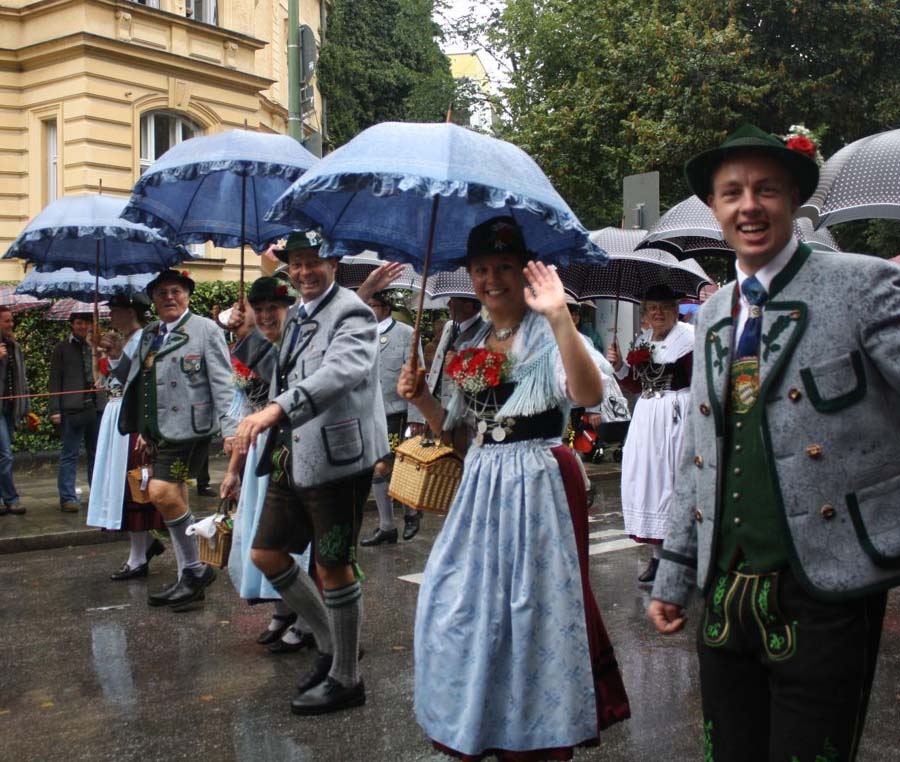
[426, 475]
[215, 550]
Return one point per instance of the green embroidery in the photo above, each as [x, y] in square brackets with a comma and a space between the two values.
[714, 630]
[769, 340]
[721, 353]
[776, 641]
[707, 742]
[763, 602]
[829, 753]
[334, 544]
[178, 470]
[719, 594]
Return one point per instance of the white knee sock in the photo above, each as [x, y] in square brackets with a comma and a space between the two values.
[384, 503]
[139, 542]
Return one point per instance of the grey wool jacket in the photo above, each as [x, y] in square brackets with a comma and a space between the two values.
[393, 351]
[192, 387]
[830, 383]
[331, 392]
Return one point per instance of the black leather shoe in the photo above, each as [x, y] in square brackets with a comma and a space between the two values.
[649, 574]
[380, 537]
[328, 696]
[188, 589]
[307, 640]
[267, 637]
[156, 549]
[317, 672]
[206, 491]
[15, 508]
[411, 524]
[126, 572]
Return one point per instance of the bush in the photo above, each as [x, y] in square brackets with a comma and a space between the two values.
[38, 336]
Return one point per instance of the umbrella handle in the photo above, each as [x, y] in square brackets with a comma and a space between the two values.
[417, 330]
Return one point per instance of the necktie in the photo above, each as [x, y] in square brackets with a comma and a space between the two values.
[301, 316]
[159, 339]
[753, 291]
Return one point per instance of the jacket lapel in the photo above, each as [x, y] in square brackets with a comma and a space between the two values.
[717, 345]
[177, 338]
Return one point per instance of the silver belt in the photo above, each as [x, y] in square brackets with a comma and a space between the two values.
[656, 387]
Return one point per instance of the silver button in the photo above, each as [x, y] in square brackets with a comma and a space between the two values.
[737, 472]
[738, 448]
[735, 496]
[739, 425]
[737, 520]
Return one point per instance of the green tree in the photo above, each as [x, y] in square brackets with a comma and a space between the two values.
[381, 61]
[598, 91]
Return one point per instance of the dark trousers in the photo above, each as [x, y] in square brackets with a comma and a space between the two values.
[784, 677]
[76, 428]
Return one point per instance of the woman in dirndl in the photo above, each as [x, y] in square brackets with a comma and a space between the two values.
[658, 367]
[269, 299]
[113, 504]
[511, 655]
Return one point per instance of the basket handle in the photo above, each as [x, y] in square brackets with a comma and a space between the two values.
[226, 506]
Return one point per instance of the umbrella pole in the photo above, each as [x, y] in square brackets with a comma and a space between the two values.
[97, 296]
[414, 346]
[243, 235]
[616, 315]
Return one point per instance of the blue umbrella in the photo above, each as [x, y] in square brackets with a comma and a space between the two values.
[381, 191]
[68, 283]
[218, 187]
[87, 233]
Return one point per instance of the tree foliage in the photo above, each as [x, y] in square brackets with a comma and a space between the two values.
[381, 62]
[598, 91]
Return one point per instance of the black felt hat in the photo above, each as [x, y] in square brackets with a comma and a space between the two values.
[269, 289]
[180, 277]
[700, 169]
[136, 301]
[498, 235]
[660, 293]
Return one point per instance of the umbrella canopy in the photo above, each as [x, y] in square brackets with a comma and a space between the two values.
[80, 285]
[690, 229]
[353, 270]
[404, 189]
[87, 233]
[438, 286]
[628, 276]
[218, 187]
[20, 302]
[65, 308]
[859, 182]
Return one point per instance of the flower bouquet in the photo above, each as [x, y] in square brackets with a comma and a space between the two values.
[241, 375]
[474, 370]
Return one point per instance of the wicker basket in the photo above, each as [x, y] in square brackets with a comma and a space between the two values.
[425, 477]
[214, 550]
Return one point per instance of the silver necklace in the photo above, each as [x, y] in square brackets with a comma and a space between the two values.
[502, 334]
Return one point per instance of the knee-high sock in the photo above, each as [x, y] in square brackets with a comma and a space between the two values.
[384, 503]
[185, 547]
[345, 610]
[139, 541]
[300, 593]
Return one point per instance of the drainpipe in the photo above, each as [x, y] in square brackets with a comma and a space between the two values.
[295, 116]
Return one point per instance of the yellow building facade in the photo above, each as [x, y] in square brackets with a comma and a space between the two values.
[92, 91]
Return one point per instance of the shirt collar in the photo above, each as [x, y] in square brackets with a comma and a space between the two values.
[384, 325]
[466, 324]
[766, 274]
[311, 305]
[174, 324]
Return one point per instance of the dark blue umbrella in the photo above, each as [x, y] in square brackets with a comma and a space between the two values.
[87, 233]
[381, 190]
[68, 283]
[218, 188]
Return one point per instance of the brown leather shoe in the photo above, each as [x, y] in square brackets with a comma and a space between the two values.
[15, 508]
[70, 507]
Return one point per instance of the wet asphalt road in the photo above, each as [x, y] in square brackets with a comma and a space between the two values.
[91, 673]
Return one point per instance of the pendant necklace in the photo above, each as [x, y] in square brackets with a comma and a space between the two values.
[502, 334]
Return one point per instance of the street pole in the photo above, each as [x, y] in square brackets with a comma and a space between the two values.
[295, 115]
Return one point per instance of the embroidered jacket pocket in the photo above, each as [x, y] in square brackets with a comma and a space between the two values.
[312, 363]
[191, 364]
[876, 520]
[343, 442]
[202, 417]
[836, 384]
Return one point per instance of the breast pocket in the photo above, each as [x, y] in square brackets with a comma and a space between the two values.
[202, 417]
[343, 442]
[311, 363]
[835, 384]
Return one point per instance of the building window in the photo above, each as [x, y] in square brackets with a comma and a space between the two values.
[148, 3]
[206, 11]
[51, 160]
[160, 130]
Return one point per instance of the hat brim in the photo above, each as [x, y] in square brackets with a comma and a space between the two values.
[699, 170]
[170, 277]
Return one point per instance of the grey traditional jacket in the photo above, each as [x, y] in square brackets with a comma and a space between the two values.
[437, 364]
[393, 351]
[192, 386]
[830, 382]
[329, 390]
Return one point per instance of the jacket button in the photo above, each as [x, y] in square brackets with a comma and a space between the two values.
[704, 408]
[827, 511]
[737, 471]
[814, 451]
[712, 338]
[739, 425]
[738, 448]
[737, 521]
[173, 383]
[296, 437]
[735, 496]
[698, 461]
[698, 515]
[794, 394]
[795, 314]
[175, 408]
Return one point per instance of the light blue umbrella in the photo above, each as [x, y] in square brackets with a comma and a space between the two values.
[68, 283]
[397, 185]
[219, 187]
[87, 233]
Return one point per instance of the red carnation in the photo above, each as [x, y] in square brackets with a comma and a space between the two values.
[280, 290]
[242, 370]
[103, 366]
[184, 274]
[802, 144]
[637, 357]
